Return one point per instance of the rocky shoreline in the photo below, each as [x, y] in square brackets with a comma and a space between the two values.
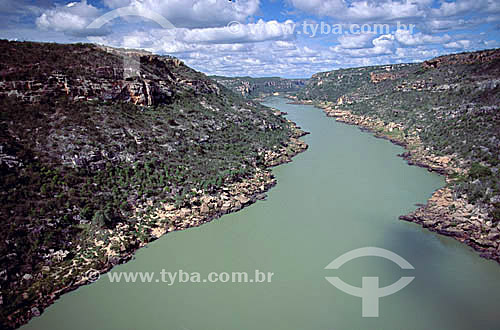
[445, 212]
[118, 245]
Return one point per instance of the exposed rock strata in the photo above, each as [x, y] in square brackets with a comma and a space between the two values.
[445, 212]
[118, 245]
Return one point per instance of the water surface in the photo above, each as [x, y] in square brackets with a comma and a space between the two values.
[345, 192]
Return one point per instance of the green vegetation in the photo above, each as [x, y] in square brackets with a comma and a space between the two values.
[451, 102]
[257, 87]
[79, 159]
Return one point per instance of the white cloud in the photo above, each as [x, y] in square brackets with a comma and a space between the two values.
[491, 43]
[457, 23]
[72, 18]
[414, 54]
[253, 32]
[459, 44]
[405, 38]
[24, 7]
[183, 40]
[284, 45]
[193, 13]
[383, 45]
[356, 41]
[363, 11]
[263, 48]
[462, 7]
[448, 15]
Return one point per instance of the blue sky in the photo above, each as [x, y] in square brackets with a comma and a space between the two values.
[290, 38]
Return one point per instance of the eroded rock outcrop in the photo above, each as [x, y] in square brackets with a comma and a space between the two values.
[445, 212]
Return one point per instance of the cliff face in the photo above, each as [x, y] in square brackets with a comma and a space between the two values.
[463, 58]
[378, 77]
[95, 73]
[103, 150]
[446, 112]
[331, 85]
[259, 87]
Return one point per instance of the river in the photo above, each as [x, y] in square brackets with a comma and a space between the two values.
[345, 192]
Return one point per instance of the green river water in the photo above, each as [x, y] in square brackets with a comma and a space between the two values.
[345, 192]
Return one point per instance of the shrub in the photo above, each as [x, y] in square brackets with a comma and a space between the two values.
[478, 171]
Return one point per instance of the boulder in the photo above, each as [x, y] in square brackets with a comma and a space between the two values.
[237, 206]
[493, 236]
[204, 209]
[261, 196]
[243, 199]
[226, 207]
[429, 223]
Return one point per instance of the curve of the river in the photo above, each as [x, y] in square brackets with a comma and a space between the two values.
[344, 193]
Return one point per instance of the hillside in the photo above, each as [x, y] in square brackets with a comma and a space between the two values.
[260, 87]
[98, 158]
[445, 111]
[329, 86]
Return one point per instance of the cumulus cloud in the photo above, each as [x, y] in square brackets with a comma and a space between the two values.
[427, 14]
[193, 13]
[399, 44]
[183, 40]
[253, 32]
[23, 7]
[301, 61]
[356, 41]
[414, 54]
[364, 11]
[383, 45]
[459, 44]
[405, 38]
[72, 18]
[456, 23]
[284, 45]
[462, 7]
[269, 47]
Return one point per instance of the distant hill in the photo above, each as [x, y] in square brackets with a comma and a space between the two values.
[446, 111]
[259, 87]
[329, 86]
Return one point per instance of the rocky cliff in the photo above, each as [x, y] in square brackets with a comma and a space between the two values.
[463, 58]
[445, 111]
[103, 150]
[260, 87]
[331, 85]
[94, 73]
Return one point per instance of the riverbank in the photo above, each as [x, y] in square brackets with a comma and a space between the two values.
[118, 245]
[327, 202]
[445, 212]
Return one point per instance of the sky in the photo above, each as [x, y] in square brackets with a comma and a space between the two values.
[289, 38]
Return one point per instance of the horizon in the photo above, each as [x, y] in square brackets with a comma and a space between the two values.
[269, 77]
